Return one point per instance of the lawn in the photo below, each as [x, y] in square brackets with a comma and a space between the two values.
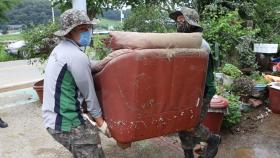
[4, 56]
[110, 22]
[7, 57]
[105, 23]
[10, 37]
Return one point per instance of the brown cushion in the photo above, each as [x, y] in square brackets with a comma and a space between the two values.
[98, 66]
[136, 40]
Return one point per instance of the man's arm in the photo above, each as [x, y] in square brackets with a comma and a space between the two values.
[81, 71]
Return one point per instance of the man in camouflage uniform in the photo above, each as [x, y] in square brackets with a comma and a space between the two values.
[187, 22]
[67, 82]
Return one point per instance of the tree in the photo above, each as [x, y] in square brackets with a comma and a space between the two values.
[200, 5]
[4, 30]
[31, 12]
[267, 18]
[224, 31]
[5, 5]
[114, 14]
[148, 19]
[95, 7]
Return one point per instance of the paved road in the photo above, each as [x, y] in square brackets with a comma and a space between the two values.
[19, 74]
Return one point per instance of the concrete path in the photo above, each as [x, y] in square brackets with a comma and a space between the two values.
[17, 98]
[19, 74]
[26, 137]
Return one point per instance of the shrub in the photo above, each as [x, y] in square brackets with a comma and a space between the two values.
[148, 19]
[4, 56]
[231, 70]
[40, 40]
[243, 86]
[100, 50]
[234, 115]
[224, 31]
[247, 58]
[258, 78]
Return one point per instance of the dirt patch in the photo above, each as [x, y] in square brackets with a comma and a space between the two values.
[250, 121]
[260, 142]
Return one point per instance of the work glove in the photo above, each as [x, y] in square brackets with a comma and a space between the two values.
[105, 130]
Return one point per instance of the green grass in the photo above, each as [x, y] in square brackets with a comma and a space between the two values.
[8, 37]
[110, 22]
[7, 57]
[106, 22]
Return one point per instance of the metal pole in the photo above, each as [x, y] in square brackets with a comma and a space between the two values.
[122, 16]
[79, 5]
[52, 12]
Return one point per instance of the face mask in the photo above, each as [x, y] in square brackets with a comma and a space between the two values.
[182, 27]
[85, 38]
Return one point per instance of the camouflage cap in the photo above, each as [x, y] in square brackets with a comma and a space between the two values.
[190, 15]
[70, 19]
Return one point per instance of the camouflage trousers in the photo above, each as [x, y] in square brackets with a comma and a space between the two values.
[198, 134]
[82, 141]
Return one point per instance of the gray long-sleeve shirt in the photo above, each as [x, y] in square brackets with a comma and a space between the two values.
[67, 81]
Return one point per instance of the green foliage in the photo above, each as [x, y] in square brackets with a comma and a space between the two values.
[221, 89]
[147, 19]
[5, 56]
[275, 73]
[234, 115]
[40, 40]
[243, 86]
[31, 12]
[106, 23]
[231, 70]
[224, 27]
[5, 31]
[11, 37]
[114, 14]
[5, 6]
[258, 78]
[267, 18]
[200, 5]
[247, 58]
[95, 7]
[99, 47]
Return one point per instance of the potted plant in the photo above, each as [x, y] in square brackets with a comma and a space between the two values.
[230, 72]
[243, 86]
[38, 87]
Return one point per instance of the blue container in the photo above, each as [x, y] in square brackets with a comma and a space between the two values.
[260, 87]
[277, 60]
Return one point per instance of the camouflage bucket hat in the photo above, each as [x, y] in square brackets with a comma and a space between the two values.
[190, 15]
[72, 18]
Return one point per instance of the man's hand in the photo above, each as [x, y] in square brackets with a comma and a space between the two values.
[104, 129]
[96, 65]
[100, 123]
[102, 126]
[199, 151]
